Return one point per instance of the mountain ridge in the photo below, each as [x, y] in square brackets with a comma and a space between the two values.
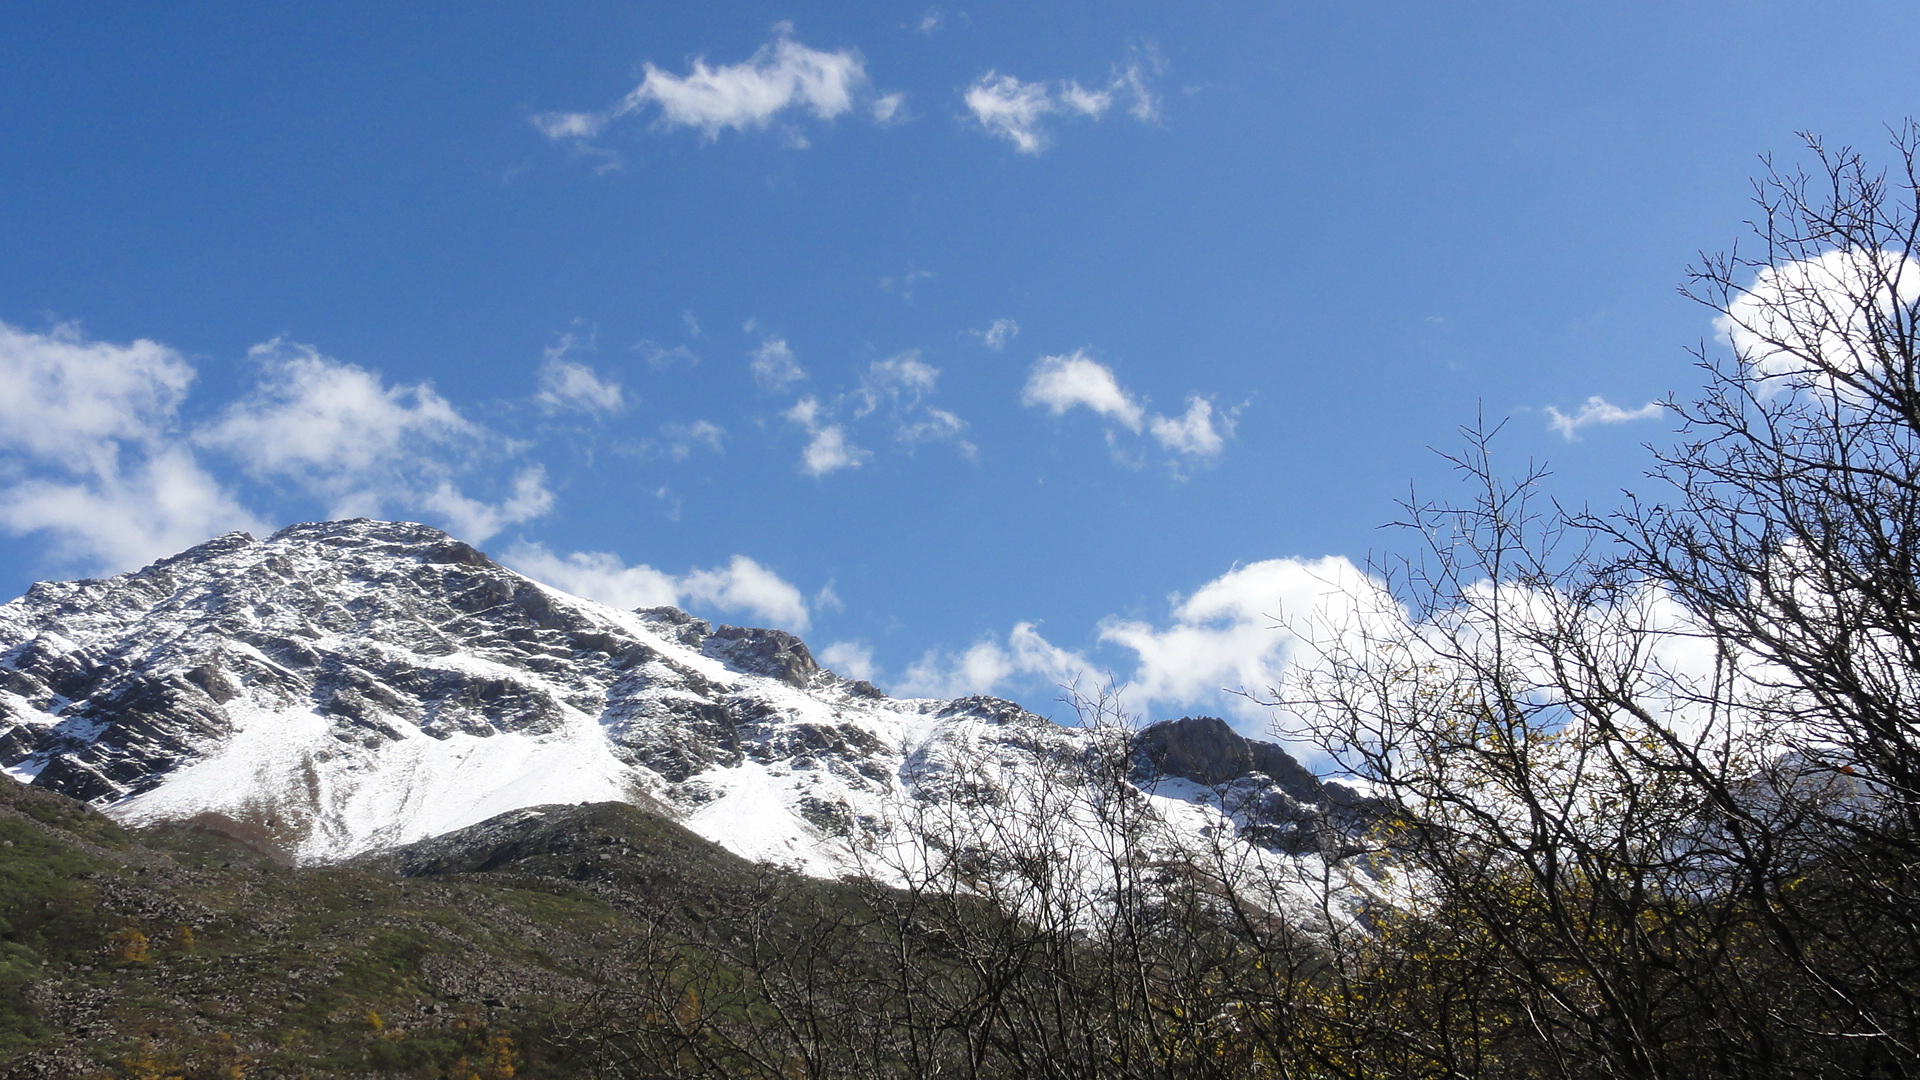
[342, 687]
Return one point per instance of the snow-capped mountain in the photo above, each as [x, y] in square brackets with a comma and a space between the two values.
[343, 687]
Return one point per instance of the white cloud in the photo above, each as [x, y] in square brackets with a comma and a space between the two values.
[829, 451]
[1195, 433]
[997, 335]
[1597, 410]
[743, 585]
[71, 401]
[1077, 380]
[989, 666]
[888, 108]
[1018, 111]
[1246, 630]
[781, 75]
[851, 659]
[596, 575]
[900, 381]
[476, 521]
[568, 384]
[92, 453]
[981, 669]
[94, 460]
[1807, 321]
[328, 421]
[125, 517]
[1291, 629]
[781, 78]
[565, 125]
[1011, 109]
[773, 365]
[1241, 631]
[341, 434]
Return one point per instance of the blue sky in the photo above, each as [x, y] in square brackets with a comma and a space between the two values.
[987, 345]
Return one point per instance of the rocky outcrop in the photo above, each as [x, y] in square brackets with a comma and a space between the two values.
[1205, 750]
[1277, 801]
[773, 653]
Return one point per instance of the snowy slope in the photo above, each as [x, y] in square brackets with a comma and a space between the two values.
[348, 686]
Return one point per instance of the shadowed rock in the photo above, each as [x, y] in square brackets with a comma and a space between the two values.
[1205, 750]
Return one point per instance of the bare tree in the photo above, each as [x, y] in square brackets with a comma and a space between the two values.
[1658, 772]
[1793, 534]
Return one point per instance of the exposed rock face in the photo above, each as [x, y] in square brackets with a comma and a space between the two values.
[1205, 750]
[774, 653]
[1284, 804]
[342, 687]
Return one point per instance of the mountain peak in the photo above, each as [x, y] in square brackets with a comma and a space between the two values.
[397, 538]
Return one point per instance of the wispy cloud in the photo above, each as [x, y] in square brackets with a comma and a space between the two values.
[828, 449]
[660, 357]
[1019, 112]
[896, 391]
[890, 399]
[889, 109]
[900, 382]
[782, 78]
[901, 284]
[997, 334]
[1597, 410]
[774, 366]
[568, 385]
[682, 440]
